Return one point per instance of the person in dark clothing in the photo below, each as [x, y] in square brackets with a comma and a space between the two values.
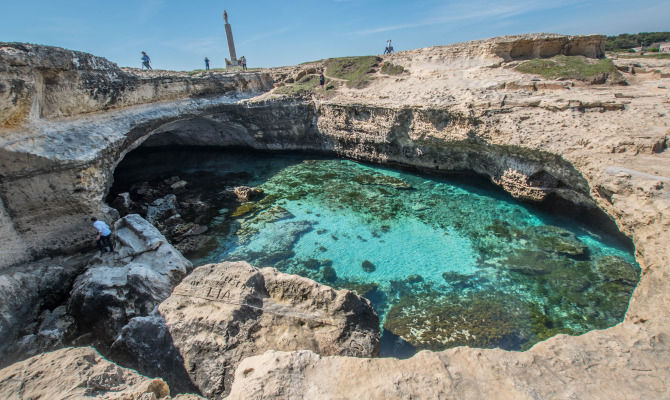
[322, 80]
[146, 61]
[206, 64]
[104, 235]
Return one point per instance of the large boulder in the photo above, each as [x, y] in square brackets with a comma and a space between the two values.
[222, 313]
[129, 283]
[76, 373]
[145, 344]
[30, 296]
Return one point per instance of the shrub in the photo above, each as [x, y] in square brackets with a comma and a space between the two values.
[392, 69]
[304, 86]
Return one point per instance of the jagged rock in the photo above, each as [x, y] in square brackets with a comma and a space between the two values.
[123, 203]
[172, 180]
[161, 209]
[222, 313]
[518, 185]
[178, 185]
[145, 344]
[76, 373]
[129, 283]
[56, 329]
[246, 193]
[26, 291]
[192, 244]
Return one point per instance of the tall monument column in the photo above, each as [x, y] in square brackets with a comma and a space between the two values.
[231, 44]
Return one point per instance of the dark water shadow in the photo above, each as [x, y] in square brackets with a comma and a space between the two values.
[394, 346]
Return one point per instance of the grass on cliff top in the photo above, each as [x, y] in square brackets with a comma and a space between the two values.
[568, 67]
[303, 87]
[357, 71]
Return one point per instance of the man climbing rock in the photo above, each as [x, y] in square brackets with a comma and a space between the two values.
[104, 235]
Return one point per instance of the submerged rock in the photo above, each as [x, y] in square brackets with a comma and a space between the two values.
[558, 240]
[328, 274]
[368, 266]
[436, 322]
[222, 313]
[615, 269]
[382, 180]
[246, 193]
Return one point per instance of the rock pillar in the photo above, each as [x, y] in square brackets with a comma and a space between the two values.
[231, 44]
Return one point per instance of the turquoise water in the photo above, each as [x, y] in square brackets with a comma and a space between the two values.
[443, 263]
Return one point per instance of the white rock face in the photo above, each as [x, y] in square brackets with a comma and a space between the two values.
[128, 283]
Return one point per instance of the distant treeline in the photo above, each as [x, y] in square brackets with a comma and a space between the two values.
[630, 40]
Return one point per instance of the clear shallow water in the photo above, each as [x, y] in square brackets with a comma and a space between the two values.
[444, 264]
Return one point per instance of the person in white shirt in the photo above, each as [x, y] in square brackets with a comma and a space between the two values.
[104, 235]
[389, 48]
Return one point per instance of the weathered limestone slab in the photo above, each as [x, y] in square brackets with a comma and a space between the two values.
[76, 373]
[222, 313]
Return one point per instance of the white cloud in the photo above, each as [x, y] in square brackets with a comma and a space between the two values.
[148, 9]
[266, 35]
[476, 10]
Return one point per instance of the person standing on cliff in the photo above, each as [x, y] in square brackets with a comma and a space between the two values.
[104, 235]
[389, 48]
[243, 61]
[206, 64]
[322, 80]
[146, 61]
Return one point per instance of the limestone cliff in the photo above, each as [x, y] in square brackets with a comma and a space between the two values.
[458, 107]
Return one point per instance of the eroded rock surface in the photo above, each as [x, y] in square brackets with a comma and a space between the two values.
[128, 283]
[456, 107]
[222, 313]
[76, 373]
[31, 295]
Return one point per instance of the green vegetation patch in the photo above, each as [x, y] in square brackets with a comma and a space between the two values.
[357, 71]
[630, 40]
[570, 67]
[637, 55]
[392, 69]
[304, 86]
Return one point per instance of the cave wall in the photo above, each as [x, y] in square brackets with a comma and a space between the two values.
[49, 201]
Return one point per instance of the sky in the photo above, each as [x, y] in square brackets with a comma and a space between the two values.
[178, 35]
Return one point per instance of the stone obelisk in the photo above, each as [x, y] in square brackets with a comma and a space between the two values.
[233, 62]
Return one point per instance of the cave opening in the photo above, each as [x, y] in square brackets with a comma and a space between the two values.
[445, 260]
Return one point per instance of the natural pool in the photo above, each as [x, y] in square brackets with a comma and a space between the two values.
[444, 263]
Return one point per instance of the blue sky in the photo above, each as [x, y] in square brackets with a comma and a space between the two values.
[179, 34]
